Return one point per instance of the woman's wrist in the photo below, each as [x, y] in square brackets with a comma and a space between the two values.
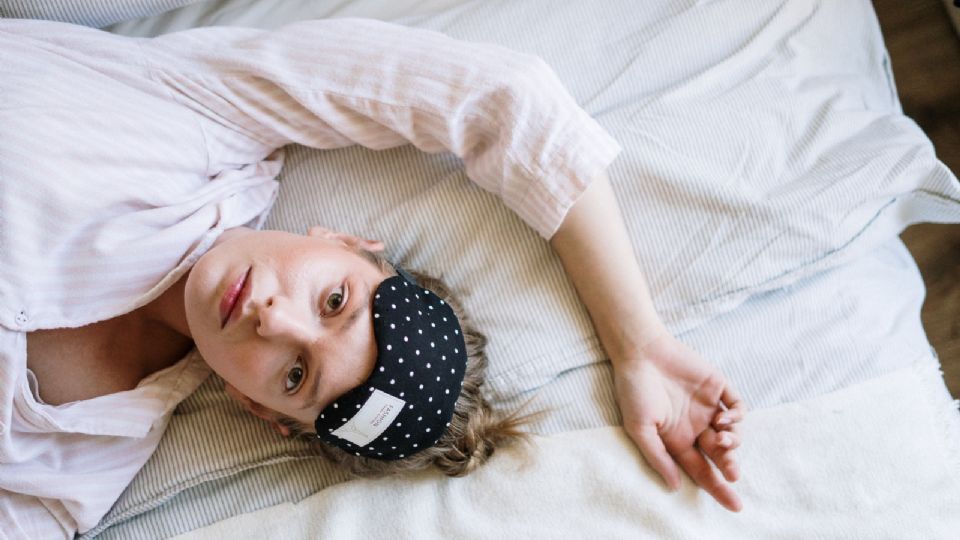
[596, 252]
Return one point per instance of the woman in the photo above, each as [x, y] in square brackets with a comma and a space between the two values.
[129, 170]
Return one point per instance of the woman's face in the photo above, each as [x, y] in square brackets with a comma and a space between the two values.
[284, 318]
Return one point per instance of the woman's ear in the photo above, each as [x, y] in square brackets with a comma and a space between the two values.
[256, 409]
[346, 238]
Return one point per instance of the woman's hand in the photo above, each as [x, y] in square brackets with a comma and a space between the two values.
[678, 408]
[670, 398]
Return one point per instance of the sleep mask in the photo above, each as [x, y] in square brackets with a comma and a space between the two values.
[407, 402]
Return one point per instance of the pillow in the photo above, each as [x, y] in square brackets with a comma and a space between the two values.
[752, 157]
[96, 13]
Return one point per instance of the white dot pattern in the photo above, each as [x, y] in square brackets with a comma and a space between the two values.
[407, 321]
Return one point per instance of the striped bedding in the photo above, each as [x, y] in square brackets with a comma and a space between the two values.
[766, 173]
[96, 13]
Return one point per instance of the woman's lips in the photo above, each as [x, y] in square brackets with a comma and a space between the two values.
[232, 298]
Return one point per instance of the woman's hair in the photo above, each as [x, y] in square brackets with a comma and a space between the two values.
[475, 430]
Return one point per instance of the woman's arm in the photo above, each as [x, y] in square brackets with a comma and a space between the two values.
[338, 82]
[669, 397]
[335, 83]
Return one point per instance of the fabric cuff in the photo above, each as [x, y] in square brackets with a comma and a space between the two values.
[585, 151]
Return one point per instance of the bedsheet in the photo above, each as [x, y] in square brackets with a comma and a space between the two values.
[828, 450]
[95, 13]
[814, 315]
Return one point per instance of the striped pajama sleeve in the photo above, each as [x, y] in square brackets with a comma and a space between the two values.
[333, 83]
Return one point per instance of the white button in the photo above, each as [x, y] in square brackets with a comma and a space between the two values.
[21, 318]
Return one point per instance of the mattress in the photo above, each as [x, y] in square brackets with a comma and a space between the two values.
[767, 223]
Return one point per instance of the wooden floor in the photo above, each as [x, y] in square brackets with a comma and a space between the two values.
[925, 53]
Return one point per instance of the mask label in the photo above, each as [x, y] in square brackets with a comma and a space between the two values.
[372, 419]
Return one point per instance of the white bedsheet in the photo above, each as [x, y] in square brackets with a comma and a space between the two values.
[880, 459]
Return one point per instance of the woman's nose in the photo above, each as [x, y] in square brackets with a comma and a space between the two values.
[278, 318]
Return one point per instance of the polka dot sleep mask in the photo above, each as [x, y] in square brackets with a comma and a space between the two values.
[407, 402]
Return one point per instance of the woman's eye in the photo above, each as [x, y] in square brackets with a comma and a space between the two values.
[294, 376]
[335, 300]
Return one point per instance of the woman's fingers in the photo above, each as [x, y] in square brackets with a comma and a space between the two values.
[697, 467]
[719, 448]
[653, 450]
[729, 467]
[725, 440]
[732, 400]
[726, 419]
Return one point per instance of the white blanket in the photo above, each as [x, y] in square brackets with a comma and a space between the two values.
[877, 460]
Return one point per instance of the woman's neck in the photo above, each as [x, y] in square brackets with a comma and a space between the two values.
[168, 309]
[163, 329]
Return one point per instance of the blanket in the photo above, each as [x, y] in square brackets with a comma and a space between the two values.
[880, 459]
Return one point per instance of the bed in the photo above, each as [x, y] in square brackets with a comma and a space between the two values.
[767, 171]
